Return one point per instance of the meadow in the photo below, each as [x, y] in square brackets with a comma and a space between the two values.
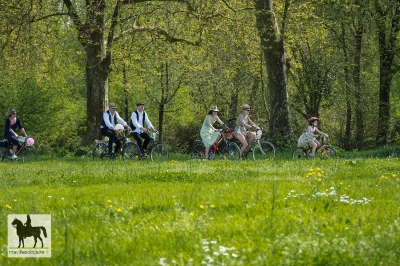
[342, 211]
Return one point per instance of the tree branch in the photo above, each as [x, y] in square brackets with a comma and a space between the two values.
[75, 18]
[170, 38]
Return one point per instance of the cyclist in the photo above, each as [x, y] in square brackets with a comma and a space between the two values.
[10, 128]
[139, 132]
[309, 137]
[242, 123]
[110, 118]
[208, 133]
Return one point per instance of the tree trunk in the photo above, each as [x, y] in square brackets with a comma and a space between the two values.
[359, 138]
[160, 121]
[98, 67]
[276, 62]
[126, 107]
[388, 24]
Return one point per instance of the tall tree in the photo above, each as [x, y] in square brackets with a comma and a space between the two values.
[272, 44]
[96, 33]
[387, 20]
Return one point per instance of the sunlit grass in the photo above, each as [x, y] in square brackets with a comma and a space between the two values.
[183, 212]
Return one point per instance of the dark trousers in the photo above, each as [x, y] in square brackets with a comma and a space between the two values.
[11, 138]
[138, 137]
[112, 136]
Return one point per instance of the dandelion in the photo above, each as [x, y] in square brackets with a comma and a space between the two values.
[319, 179]
[192, 214]
[49, 196]
[318, 169]
[109, 201]
[341, 183]
[201, 206]
[119, 210]
[8, 206]
[131, 207]
[15, 200]
[110, 206]
[212, 206]
[311, 170]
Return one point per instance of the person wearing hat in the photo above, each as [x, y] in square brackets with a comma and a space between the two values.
[139, 132]
[310, 137]
[110, 119]
[241, 133]
[209, 134]
[10, 131]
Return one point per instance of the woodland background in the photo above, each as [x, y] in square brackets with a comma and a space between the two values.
[63, 61]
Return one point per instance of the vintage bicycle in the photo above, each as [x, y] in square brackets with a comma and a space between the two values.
[322, 151]
[26, 151]
[130, 150]
[230, 150]
[260, 149]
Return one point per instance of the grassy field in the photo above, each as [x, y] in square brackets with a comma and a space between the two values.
[342, 211]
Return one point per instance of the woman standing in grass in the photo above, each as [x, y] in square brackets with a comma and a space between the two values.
[310, 137]
[208, 133]
[242, 123]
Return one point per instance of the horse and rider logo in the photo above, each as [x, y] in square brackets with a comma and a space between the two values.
[20, 242]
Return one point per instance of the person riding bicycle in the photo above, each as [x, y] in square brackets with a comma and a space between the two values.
[241, 133]
[310, 137]
[110, 118]
[139, 132]
[10, 128]
[208, 133]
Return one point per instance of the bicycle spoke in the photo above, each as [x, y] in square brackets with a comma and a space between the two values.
[28, 153]
[159, 152]
[198, 151]
[299, 153]
[263, 150]
[131, 151]
[100, 150]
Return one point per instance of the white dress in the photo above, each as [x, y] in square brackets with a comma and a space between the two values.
[208, 135]
[305, 138]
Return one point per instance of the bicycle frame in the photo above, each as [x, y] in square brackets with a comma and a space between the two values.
[215, 146]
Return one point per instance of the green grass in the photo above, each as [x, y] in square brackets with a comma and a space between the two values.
[342, 211]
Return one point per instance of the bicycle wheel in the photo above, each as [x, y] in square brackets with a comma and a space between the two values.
[198, 151]
[264, 150]
[29, 153]
[299, 153]
[330, 153]
[231, 151]
[159, 153]
[100, 150]
[131, 151]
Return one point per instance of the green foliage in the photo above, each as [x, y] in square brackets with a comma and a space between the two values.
[285, 212]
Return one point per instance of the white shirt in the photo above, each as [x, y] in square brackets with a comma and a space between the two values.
[106, 119]
[138, 123]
